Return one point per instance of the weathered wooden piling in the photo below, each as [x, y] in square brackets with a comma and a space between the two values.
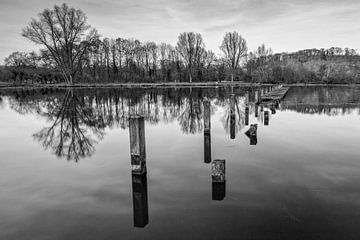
[138, 170]
[252, 134]
[218, 179]
[137, 144]
[266, 118]
[207, 131]
[232, 117]
[140, 200]
[207, 115]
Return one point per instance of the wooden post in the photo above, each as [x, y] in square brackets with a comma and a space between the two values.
[266, 118]
[137, 144]
[207, 131]
[140, 200]
[207, 114]
[218, 179]
[232, 116]
[252, 134]
[138, 170]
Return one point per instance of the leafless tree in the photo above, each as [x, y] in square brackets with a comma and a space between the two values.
[234, 48]
[63, 31]
[190, 46]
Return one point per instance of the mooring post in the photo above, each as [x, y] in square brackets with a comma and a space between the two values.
[218, 179]
[138, 170]
[266, 117]
[232, 116]
[137, 144]
[252, 134]
[207, 131]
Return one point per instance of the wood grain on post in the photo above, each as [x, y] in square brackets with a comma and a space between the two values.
[218, 180]
[137, 144]
[207, 114]
[252, 134]
[218, 170]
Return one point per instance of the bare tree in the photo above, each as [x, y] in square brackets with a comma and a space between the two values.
[234, 47]
[190, 46]
[262, 54]
[66, 35]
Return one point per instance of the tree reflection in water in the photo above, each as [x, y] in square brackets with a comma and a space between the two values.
[239, 112]
[191, 115]
[75, 129]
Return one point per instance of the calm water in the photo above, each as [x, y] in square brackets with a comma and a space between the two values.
[66, 164]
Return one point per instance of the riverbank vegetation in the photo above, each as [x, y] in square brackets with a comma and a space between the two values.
[73, 52]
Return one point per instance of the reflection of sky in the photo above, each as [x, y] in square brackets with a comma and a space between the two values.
[284, 25]
[301, 178]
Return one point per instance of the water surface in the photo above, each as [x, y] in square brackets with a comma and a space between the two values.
[67, 166]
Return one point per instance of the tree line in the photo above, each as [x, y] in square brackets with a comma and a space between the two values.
[73, 52]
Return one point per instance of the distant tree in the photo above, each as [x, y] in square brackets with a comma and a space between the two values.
[63, 31]
[22, 59]
[251, 63]
[190, 46]
[262, 54]
[234, 48]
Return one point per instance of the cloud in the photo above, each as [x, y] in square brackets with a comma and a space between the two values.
[286, 25]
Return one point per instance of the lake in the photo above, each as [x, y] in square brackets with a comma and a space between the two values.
[180, 163]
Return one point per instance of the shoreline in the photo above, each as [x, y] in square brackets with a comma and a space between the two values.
[163, 85]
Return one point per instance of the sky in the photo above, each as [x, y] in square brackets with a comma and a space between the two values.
[283, 25]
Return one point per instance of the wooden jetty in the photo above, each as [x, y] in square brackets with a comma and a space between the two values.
[276, 94]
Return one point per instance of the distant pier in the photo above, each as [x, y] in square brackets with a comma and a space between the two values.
[278, 93]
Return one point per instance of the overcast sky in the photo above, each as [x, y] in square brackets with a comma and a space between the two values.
[283, 25]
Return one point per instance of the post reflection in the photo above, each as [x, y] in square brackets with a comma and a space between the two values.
[138, 170]
[232, 117]
[266, 117]
[247, 114]
[218, 180]
[207, 131]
